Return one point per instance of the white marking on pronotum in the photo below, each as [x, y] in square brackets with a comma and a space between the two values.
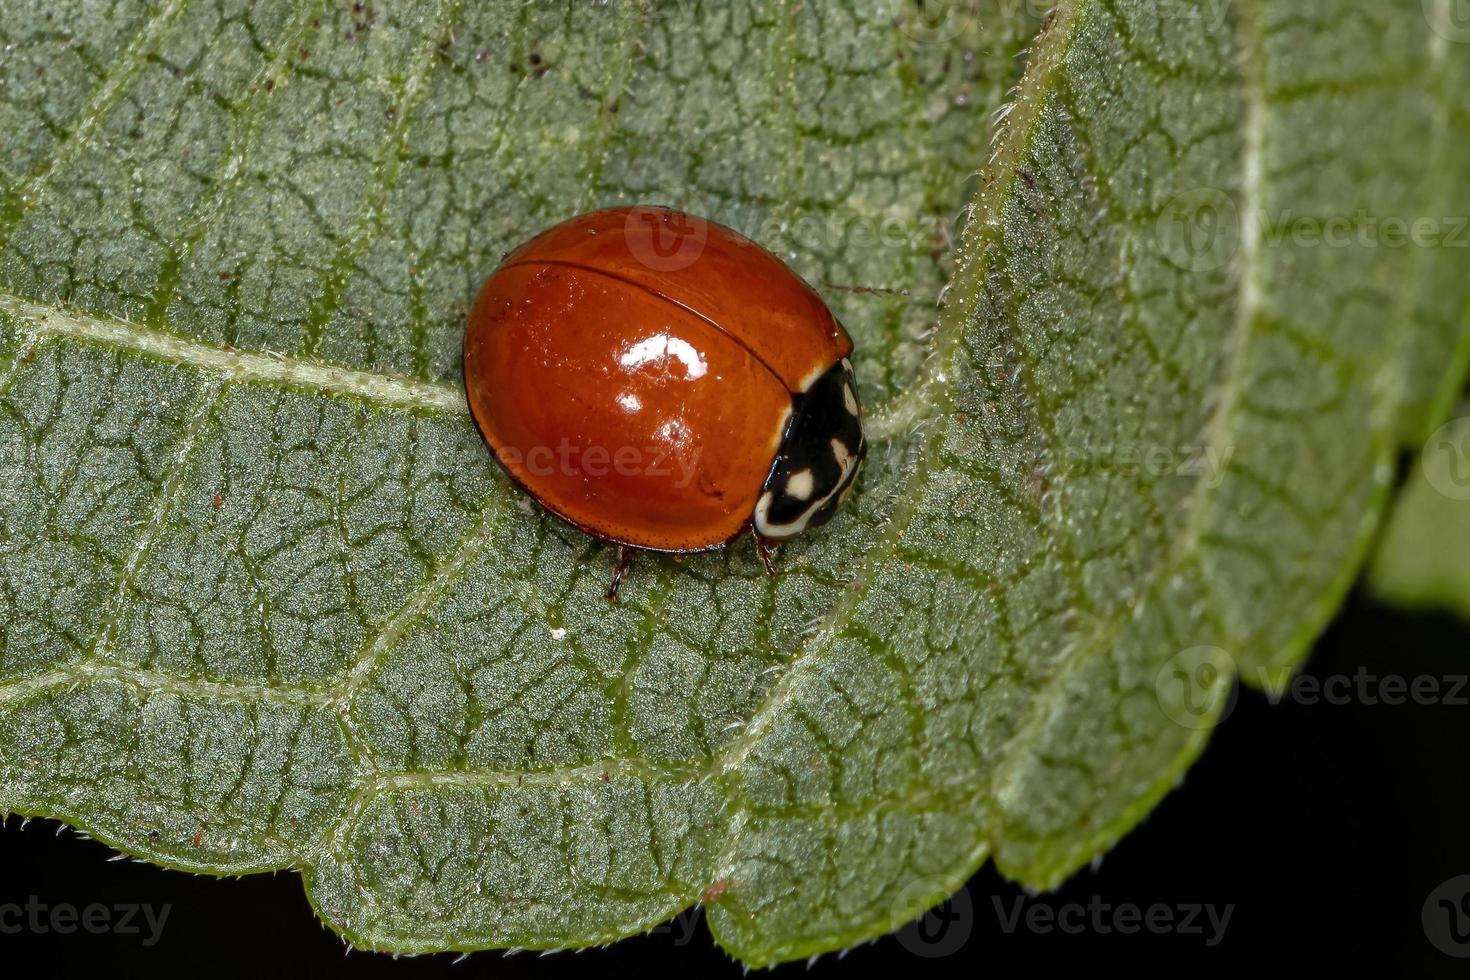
[763, 524]
[779, 435]
[800, 485]
[849, 399]
[847, 490]
[810, 378]
[843, 455]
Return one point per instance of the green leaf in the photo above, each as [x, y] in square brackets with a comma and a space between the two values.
[267, 604]
[1420, 561]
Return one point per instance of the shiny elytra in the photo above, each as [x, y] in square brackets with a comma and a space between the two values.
[661, 382]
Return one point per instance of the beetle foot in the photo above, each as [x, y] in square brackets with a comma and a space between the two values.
[620, 572]
[767, 550]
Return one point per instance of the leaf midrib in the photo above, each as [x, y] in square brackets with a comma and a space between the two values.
[231, 365]
[929, 394]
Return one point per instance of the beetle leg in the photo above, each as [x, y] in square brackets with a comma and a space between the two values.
[766, 550]
[620, 571]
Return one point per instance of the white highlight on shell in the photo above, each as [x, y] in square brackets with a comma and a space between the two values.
[659, 349]
[849, 399]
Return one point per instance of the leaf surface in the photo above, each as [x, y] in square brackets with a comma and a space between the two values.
[1419, 562]
[267, 603]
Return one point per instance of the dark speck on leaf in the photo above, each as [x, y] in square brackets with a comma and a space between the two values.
[482, 56]
[217, 501]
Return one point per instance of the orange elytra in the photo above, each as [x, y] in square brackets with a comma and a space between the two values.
[659, 381]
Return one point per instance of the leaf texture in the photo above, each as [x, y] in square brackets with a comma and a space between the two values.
[267, 604]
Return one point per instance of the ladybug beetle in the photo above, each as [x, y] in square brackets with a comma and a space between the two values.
[661, 382]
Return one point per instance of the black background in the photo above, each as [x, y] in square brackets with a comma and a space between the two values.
[1325, 825]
